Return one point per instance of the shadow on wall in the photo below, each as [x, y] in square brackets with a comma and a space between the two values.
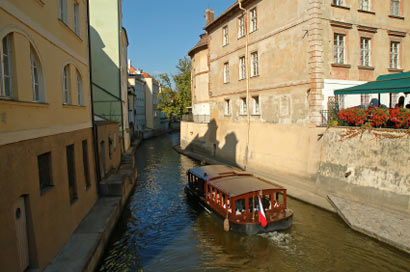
[209, 145]
[106, 80]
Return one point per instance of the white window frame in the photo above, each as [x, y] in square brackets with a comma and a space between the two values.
[339, 48]
[255, 64]
[242, 68]
[76, 14]
[365, 5]
[256, 105]
[395, 7]
[244, 108]
[241, 26]
[36, 78]
[338, 3]
[228, 111]
[254, 21]
[80, 90]
[365, 47]
[6, 77]
[226, 72]
[394, 55]
[225, 35]
[66, 85]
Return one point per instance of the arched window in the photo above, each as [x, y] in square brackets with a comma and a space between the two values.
[80, 92]
[6, 67]
[36, 77]
[66, 85]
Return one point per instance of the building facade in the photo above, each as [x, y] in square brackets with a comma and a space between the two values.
[268, 70]
[48, 183]
[152, 114]
[136, 102]
[108, 56]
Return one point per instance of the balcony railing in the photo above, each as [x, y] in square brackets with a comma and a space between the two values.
[189, 117]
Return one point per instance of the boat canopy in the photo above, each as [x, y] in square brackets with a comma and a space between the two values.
[238, 185]
[211, 171]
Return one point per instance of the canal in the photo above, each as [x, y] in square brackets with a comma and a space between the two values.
[160, 231]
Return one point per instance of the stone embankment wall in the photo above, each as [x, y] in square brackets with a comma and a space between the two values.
[372, 167]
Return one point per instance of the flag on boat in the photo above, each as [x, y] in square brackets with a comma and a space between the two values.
[262, 217]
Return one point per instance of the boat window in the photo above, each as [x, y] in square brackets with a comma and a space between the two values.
[253, 204]
[239, 206]
[266, 201]
[278, 199]
[209, 191]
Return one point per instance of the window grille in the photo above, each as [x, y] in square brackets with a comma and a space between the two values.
[253, 20]
[394, 55]
[255, 64]
[339, 48]
[365, 52]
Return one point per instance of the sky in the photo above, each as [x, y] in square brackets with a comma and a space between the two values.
[160, 32]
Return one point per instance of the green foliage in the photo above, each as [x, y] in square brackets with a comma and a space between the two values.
[176, 102]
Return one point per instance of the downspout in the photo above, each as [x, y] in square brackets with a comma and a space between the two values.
[247, 83]
[119, 8]
[94, 128]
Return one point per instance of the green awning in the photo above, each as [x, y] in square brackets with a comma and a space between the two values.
[392, 83]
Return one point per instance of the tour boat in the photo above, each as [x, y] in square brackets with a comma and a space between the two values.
[234, 195]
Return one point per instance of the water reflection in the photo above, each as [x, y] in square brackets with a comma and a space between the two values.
[161, 231]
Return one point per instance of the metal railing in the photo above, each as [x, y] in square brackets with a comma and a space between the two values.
[189, 117]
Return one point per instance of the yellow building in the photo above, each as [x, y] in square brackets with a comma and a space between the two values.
[47, 176]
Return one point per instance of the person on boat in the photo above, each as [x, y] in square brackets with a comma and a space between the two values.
[276, 205]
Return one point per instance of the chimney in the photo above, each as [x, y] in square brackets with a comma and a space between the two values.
[129, 64]
[209, 16]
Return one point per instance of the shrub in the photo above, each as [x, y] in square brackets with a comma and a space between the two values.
[400, 117]
[378, 116]
[353, 116]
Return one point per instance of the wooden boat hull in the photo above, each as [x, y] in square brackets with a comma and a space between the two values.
[248, 228]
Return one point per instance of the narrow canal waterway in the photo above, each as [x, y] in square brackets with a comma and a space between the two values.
[161, 231]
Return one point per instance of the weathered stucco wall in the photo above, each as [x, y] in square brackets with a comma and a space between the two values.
[376, 160]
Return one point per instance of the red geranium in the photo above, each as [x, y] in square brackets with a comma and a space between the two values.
[400, 117]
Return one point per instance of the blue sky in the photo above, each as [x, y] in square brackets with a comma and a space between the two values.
[160, 32]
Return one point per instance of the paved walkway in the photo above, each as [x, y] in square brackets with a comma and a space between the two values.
[386, 226]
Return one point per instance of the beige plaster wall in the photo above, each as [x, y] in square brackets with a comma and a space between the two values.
[22, 118]
[109, 132]
[200, 77]
[51, 216]
[378, 19]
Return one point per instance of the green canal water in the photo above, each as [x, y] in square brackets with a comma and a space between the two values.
[161, 231]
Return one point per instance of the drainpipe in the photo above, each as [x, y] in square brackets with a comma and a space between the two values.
[247, 83]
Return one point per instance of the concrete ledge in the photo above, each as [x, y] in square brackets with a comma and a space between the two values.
[386, 226]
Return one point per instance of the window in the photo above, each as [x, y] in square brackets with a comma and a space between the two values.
[365, 5]
[242, 68]
[338, 2]
[339, 47]
[77, 18]
[66, 85]
[80, 92]
[241, 27]
[44, 171]
[226, 72]
[227, 107]
[253, 20]
[36, 77]
[394, 55]
[62, 10]
[256, 108]
[255, 65]
[395, 7]
[72, 187]
[365, 52]
[244, 108]
[5, 69]
[225, 35]
[85, 164]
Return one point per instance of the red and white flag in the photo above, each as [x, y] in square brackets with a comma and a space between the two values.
[262, 217]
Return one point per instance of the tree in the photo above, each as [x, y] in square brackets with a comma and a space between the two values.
[176, 102]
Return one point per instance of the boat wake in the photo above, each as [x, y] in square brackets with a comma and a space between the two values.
[280, 239]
